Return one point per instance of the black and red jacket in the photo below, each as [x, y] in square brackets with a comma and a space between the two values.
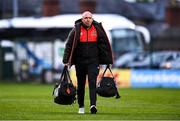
[99, 49]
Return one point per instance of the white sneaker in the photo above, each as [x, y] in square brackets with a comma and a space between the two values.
[81, 110]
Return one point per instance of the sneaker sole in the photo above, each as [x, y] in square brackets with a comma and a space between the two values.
[93, 110]
[80, 113]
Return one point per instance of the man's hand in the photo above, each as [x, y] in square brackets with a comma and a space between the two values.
[66, 64]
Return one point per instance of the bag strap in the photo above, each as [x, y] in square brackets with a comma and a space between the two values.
[62, 75]
[107, 67]
[65, 74]
[68, 75]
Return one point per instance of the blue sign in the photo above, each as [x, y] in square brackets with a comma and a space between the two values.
[155, 78]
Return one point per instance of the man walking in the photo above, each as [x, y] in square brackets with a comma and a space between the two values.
[87, 47]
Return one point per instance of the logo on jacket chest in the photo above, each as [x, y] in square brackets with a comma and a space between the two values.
[92, 33]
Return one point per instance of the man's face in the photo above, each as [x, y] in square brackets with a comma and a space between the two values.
[87, 19]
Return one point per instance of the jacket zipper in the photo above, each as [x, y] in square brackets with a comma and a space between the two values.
[87, 41]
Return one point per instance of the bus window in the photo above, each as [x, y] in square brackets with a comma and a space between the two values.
[125, 40]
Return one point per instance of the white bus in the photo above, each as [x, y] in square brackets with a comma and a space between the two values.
[45, 36]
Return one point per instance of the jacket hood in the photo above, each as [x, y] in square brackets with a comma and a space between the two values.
[78, 21]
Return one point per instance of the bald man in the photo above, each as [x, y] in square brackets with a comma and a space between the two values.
[87, 18]
[87, 47]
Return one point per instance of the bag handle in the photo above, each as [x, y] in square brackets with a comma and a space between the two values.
[65, 74]
[107, 67]
[68, 75]
[62, 74]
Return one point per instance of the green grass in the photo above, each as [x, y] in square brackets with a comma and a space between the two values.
[34, 102]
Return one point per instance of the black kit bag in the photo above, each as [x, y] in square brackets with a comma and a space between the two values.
[64, 92]
[107, 86]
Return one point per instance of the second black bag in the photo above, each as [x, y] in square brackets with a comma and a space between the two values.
[107, 87]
